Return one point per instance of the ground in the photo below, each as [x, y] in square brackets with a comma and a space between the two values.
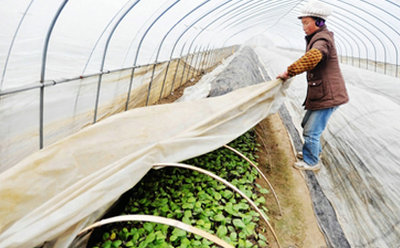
[179, 91]
[297, 226]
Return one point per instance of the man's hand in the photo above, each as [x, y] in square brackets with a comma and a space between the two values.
[284, 76]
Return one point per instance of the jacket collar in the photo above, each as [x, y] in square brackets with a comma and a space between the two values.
[309, 37]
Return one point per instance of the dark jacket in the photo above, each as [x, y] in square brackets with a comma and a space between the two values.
[326, 87]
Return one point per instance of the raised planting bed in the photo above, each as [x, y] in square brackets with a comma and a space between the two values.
[195, 199]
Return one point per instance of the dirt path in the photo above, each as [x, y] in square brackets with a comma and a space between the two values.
[179, 91]
[297, 227]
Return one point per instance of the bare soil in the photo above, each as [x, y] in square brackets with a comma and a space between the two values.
[297, 226]
[179, 91]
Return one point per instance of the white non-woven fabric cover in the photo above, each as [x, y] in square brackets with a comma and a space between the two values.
[55, 192]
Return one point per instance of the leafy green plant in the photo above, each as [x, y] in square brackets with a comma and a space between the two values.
[197, 200]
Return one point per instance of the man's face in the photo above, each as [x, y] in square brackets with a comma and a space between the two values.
[309, 26]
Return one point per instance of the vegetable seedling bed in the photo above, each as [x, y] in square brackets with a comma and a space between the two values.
[195, 199]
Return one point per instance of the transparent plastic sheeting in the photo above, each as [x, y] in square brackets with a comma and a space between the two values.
[55, 192]
[80, 35]
[70, 106]
[361, 172]
[243, 70]
[202, 88]
[240, 70]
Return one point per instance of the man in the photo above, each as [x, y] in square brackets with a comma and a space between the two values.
[326, 88]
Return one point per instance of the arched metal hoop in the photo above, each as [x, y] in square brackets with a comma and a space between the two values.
[194, 168]
[43, 71]
[160, 220]
[259, 172]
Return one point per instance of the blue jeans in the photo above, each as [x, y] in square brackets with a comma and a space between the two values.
[314, 123]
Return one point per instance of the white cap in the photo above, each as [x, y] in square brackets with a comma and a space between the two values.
[316, 9]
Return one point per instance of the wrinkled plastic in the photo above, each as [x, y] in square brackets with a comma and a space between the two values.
[55, 192]
[202, 88]
[244, 69]
[361, 148]
[239, 70]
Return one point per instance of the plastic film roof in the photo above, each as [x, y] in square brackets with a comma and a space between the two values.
[129, 33]
[45, 42]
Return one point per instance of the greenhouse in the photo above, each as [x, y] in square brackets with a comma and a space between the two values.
[183, 123]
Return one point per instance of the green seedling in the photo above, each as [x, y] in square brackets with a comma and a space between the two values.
[197, 200]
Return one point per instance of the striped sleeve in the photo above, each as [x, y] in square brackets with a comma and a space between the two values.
[307, 62]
